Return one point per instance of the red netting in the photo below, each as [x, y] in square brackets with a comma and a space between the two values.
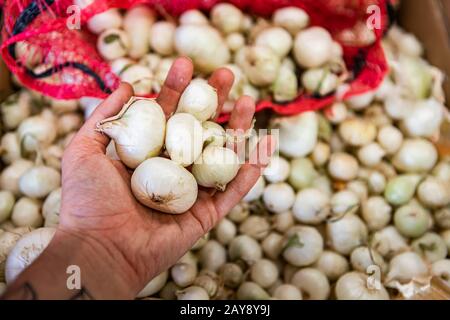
[72, 68]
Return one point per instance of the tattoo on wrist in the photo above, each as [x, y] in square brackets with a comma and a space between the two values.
[28, 292]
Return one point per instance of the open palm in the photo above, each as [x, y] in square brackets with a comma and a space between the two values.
[97, 201]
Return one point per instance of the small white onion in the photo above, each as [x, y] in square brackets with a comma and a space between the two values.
[278, 39]
[303, 246]
[346, 234]
[251, 291]
[278, 197]
[406, 266]
[283, 221]
[199, 99]
[424, 118]
[183, 274]
[264, 273]
[154, 285]
[162, 38]
[15, 109]
[441, 269]
[320, 81]
[51, 208]
[6, 204]
[336, 113]
[256, 227]
[151, 61]
[430, 246]
[231, 274]
[106, 20]
[259, 63]
[272, 245]
[36, 131]
[297, 134]
[343, 202]
[113, 44]
[204, 45]
[212, 256]
[370, 155]
[226, 17]
[225, 231]
[192, 293]
[311, 206]
[174, 194]
[389, 242]
[332, 264]
[376, 182]
[357, 132]
[361, 101]
[244, 248]
[39, 181]
[354, 286]
[235, 41]
[287, 292]
[138, 131]
[277, 170]
[193, 17]
[415, 155]
[292, 19]
[321, 154]
[302, 173]
[140, 77]
[10, 176]
[362, 258]
[376, 212]
[239, 213]
[313, 284]
[313, 47]
[285, 87]
[343, 166]
[137, 22]
[216, 167]
[27, 213]
[10, 147]
[434, 193]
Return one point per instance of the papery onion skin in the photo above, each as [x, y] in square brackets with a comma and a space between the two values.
[175, 193]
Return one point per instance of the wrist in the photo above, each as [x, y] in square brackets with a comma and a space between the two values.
[102, 267]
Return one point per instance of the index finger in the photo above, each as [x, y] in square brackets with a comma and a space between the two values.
[178, 78]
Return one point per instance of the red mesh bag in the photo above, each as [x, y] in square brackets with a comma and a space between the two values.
[72, 68]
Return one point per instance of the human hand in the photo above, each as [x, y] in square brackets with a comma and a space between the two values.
[99, 207]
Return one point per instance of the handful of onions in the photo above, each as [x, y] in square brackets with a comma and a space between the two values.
[142, 135]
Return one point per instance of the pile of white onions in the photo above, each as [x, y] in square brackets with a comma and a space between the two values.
[37, 130]
[277, 57]
[355, 206]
